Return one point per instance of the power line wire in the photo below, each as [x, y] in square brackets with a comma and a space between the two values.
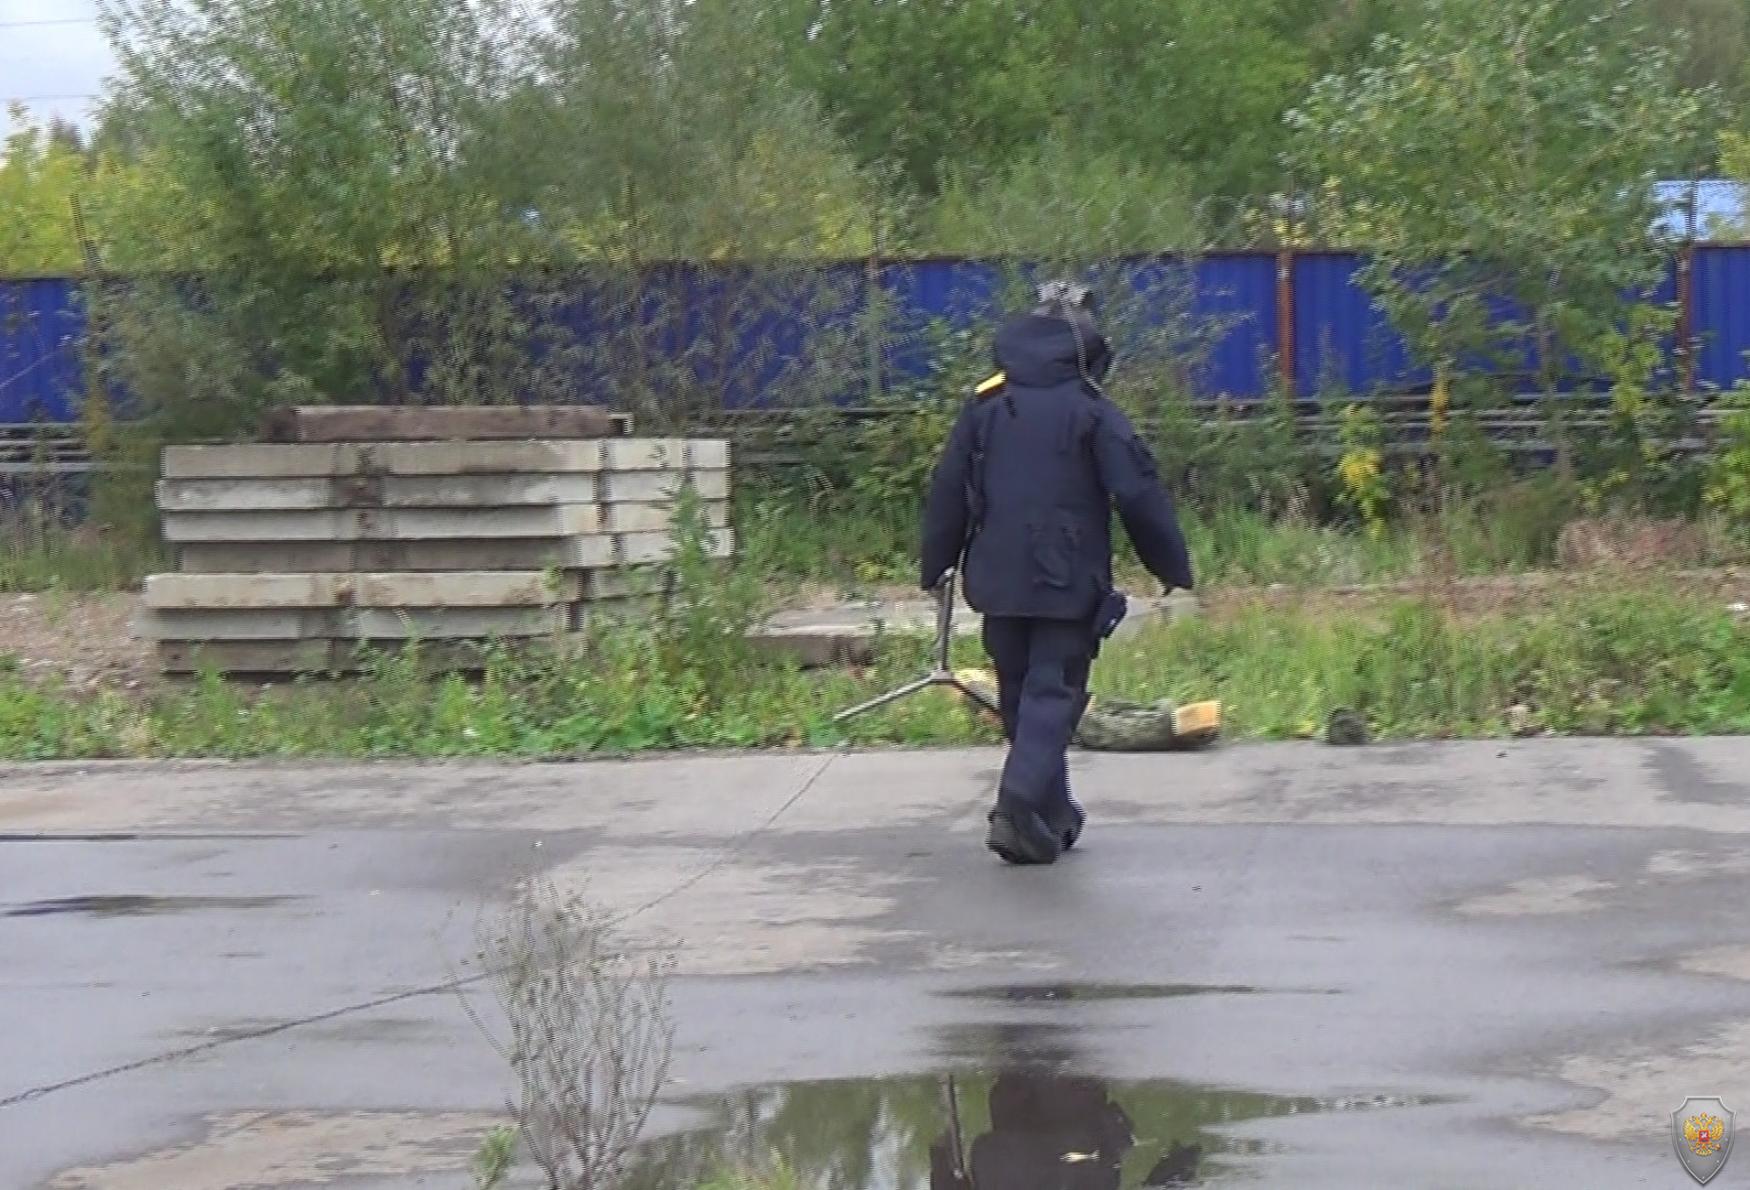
[42, 24]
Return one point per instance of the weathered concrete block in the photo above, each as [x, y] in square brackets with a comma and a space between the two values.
[643, 549]
[276, 461]
[376, 423]
[708, 454]
[645, 454]
[350, 623]
[235, 624]
[354, 492]
[194, 592]
[252, 461]
[633, 487]
[655, 518]
[581, 552]
[370, 623]
[608, 585]
[481, 589]
[221, 592]
[401, 524]
[248, 657]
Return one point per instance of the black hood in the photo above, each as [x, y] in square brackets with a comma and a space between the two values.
[1037, 351]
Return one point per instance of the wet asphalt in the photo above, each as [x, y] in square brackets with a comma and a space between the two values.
[1464, 965]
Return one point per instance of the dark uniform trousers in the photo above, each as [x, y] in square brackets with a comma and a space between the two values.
[1042, 679]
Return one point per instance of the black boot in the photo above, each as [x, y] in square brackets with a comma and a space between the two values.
[1020, 836]
[1066, 820]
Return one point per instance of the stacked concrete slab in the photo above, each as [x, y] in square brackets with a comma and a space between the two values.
[291, 555]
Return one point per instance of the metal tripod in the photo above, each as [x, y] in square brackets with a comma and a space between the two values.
[941, 675]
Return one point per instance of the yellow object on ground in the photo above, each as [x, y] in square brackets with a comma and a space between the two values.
[1196, 723]
[1113, 725]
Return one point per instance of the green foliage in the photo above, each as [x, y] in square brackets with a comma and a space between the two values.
[330, 157]
[40, 177]
[41, 551]
[494, 1158]
[1634, 462]
[940, 89]
[662, 136]
[1060, 198]
[1624, 661]
[1635, 659]
[1728, 480]
[778, 1177]
[1363, 486]
[1501, 152]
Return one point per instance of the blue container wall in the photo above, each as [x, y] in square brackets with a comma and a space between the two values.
[1721, 288]
[1239, 293]
[738, 345]
[1342, 341]
[41, 329]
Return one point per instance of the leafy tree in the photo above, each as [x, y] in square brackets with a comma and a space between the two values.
[968, 87]
[675, 139]
[1061, 201]
[41, 174]
[1199, 87]
[925, 88]
[1503, 155]
[319, 161]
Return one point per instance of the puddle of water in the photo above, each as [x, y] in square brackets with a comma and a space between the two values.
[1023, 1129]
[137, 906]
[1054, 993]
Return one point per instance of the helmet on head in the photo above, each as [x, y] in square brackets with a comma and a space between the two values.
[1067, 299]
[1075, 304]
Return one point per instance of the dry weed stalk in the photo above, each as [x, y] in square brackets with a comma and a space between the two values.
[591, 1037]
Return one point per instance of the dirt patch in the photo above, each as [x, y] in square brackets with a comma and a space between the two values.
[84, 641]
[1634, 544]
[264, 1150]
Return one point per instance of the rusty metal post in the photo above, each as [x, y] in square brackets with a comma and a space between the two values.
[1285, 320]
[1686, 313]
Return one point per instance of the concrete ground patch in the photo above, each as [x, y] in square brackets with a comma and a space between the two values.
[235, 974]
[269, 1150]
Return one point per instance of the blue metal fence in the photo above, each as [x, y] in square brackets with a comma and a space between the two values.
[1334, 334]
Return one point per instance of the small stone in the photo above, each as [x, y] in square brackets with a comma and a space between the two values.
[1346, 728]
[1520, 720]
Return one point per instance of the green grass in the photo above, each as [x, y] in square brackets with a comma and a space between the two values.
[1640, 661]
[39, 553]
[822, 540]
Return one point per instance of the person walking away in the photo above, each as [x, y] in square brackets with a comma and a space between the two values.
[1021, 503]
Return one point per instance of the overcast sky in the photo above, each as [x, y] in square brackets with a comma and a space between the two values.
[62, 59]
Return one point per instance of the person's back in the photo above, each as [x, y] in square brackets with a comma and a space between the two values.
[1045, 547]
[1022, 500]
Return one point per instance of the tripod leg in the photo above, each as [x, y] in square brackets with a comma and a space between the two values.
[976, 695]
[908, 689]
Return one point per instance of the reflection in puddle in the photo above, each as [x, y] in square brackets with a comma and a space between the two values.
[1024, 1129]
[138, 906]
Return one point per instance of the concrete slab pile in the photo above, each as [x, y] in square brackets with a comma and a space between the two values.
[292, 555]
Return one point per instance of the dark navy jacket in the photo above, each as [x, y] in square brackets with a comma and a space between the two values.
[1032, 472]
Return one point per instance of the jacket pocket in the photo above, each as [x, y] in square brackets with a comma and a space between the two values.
[1053, 546]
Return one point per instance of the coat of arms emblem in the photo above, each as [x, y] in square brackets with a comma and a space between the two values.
[1702, 1131]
